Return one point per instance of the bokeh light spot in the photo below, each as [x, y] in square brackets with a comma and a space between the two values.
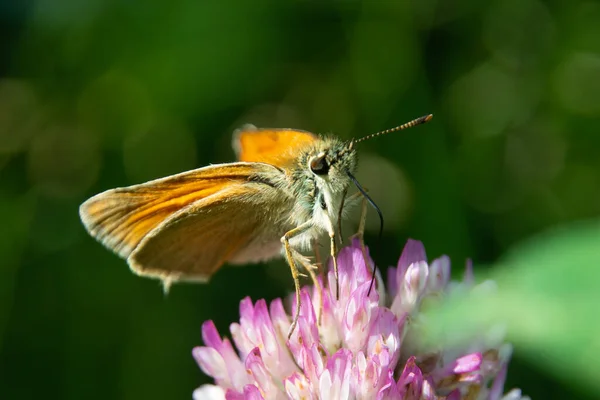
[577, 83]
[535, 152]
[20, 116]
[165, 149]
[389, 187]
[519, 32]
[584, 29]
[115, 106]
[64, 161]
[483, 102]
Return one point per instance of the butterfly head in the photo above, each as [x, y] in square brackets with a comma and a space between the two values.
[320, 181]
[329, 163]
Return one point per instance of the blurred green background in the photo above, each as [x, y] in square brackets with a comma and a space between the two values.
[103, 93]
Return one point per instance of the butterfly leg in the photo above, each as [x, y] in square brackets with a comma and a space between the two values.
[361, 224]
[318, 260]
[321, 273]
[333, 249]
[363, 219]
[360, 235]
[318, 291]
[346, 202]
[289, 255]
[340, 216]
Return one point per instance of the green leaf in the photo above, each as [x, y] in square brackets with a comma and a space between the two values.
[548, 296]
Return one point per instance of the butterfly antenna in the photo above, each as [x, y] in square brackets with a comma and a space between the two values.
[410, 124]
[372, 203]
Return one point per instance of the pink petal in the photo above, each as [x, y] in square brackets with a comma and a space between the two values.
[357, 317]
[298, 387]
[362, 271]
[411, 380]
[413, 252]
[370, 377]
[388, 386]
[264, 325]
[313, 364]
[428, 391]
[211, 337]
[251, 392]
[330, 328]
[334, 382]
[262, 378]
[361, 372]
[209, 392]
[256, 329]
[464, 369]
[246, 310]
[355, 243]
[454, 395]
[345, 271]
[497, 388]
[415, 279]
[229, 372]
[212, 364]
[307, 331]
[281, 321]
[439, 274]
[385, 335]
[390, 389]
[468, 363]
[352, 271]
[233, 395]
[411, 288]
[244, 335]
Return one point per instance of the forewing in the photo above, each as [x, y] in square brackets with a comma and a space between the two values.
[193, 243]
[278, 147]
[121, 218]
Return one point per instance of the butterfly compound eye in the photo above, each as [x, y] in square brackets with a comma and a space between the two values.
[319, 166]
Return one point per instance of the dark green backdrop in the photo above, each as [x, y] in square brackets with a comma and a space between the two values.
[104, 93]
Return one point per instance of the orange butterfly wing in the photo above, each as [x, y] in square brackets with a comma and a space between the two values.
[278, 147]
[187, 225]
[124, 219]
[193, 243]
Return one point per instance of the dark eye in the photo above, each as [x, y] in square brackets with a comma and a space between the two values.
[319, 166]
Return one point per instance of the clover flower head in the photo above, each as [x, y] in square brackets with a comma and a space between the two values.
[363, 345]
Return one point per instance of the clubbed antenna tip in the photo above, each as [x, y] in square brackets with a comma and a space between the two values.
[410, 124]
